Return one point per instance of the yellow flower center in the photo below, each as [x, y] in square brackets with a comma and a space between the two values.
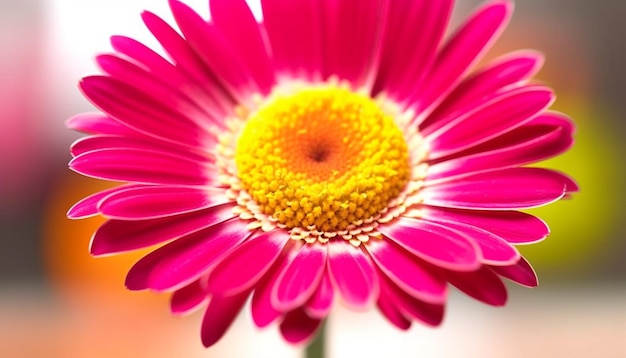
[322, 159]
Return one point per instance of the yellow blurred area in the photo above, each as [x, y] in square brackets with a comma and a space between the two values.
[582, 226]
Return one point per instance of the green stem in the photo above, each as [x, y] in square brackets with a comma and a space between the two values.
[316, 348]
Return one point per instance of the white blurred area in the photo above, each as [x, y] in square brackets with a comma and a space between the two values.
[77, 30]
[47, 46]
[538, 323]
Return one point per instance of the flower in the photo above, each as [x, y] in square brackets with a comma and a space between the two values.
[335, 151]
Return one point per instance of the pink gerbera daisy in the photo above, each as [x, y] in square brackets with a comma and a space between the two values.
[336, 151]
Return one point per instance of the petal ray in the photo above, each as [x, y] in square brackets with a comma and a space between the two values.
[389, 308]
[513, 226]
[530, 143]
[202, 80]
[482, 285]
[115, 236]
[521, 273]
[219, 315]
[88, 206]
[101, 142]
[170, 95]
[413, 33]
[215, 51]
[410, 273]
[263, 313]
[345, 54]
[98, 123]
[235, 21]
[434, 243]
[243, 268]
[322, 299]
[295, 35]
[514, 188]
[430, 314]
[188, 298]
[298, 327]
[142, 166]
[352, 274]
[461, 51]
[493, 250]
[298, 281]
[513, 69]
[141, 111]
[153, 202]
[496, 117]
[185, 259]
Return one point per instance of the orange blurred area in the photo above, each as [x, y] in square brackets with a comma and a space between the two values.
[73, 272]
[94, 305]
[89, 313]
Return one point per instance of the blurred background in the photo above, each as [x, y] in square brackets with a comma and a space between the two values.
[57, 301]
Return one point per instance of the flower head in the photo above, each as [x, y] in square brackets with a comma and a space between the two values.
[337, 151]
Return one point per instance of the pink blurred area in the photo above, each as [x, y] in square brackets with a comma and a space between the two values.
[22, 144]
[56, 301]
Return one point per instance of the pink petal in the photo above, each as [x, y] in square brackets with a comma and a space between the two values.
[555, 119]
[88, 206]
[322, 299]
[98, 123]
[164, 89]
[100, 142]
[116, 236]
[146, 57]
[530, 143]
[142, 166]
[513, 226]
[509, 70]
[407, 271]
[235, 21]
[352, 274]
[188, 298]
[346, 55]
[263, 313]
[463, 49]
[430, 314]
[140, 110]
[389, 308]
[501, 114]
[494, 250]
[203, 82]
[413, 33]
[295, 34]
[298, 281]
[219, 315]
[482, 285]
[298, 327]
[513, 188]
[155, 202]
[203, 94]
[187, 258]
[521, 273]
[570, 184]
[434, 243]
[243, 268]
[215, 51]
